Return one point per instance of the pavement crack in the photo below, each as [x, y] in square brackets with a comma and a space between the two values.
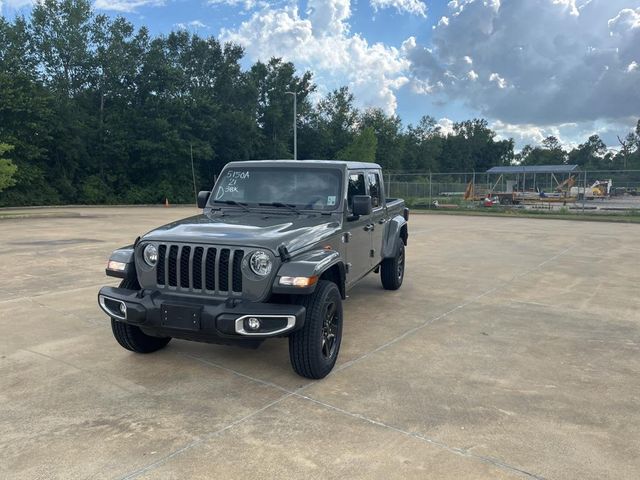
[432, 441]
[448, 312]
[202, 439]
[466, 452]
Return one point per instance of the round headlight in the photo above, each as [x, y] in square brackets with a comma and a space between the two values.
[260, 263]
[150, 255]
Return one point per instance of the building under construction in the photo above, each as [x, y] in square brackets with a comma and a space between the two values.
[520, 184]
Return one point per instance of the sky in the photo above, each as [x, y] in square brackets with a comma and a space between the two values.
[532, 68]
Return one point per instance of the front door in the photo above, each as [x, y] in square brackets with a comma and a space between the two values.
[378, 216]
[357, 235]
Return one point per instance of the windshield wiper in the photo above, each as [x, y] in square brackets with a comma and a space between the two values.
[235, 204]
[280, 205]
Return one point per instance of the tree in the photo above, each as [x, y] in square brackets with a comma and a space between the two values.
[99, 111]
[7, 168]
[272, 81]
[589, 155]
[26, 117]
[333, 124]
[550, 153]
[423, 146]
[61, 35]
[388, 132]
[362, 148]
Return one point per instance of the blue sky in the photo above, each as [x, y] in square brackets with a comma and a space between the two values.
[532, 68]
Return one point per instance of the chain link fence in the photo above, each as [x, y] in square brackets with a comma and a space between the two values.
[592, 191]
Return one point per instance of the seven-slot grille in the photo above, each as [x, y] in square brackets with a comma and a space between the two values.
[205, 269]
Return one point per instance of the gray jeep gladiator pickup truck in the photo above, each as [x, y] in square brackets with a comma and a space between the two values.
[273, 254]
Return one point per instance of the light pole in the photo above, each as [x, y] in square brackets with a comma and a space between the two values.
[295, 127]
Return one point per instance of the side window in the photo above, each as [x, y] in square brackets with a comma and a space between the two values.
[356, 187]
[374, 189]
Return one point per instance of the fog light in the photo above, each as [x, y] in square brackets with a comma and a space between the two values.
[123, 309]
[253, 323]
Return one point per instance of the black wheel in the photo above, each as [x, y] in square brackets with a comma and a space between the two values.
[313, 350]
[130, 336]
[392, 269]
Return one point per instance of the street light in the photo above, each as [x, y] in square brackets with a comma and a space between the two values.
[295, 128]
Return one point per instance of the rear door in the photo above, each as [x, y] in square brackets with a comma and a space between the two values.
[378, 215]
[357, 235]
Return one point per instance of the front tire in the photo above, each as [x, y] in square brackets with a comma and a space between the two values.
[313, 350]
[392, 270]
[130, 336]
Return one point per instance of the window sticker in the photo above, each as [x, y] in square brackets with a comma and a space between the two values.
[331, 200]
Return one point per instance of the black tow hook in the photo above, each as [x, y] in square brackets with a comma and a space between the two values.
[232, 302]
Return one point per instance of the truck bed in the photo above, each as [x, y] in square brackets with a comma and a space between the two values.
[395, 205]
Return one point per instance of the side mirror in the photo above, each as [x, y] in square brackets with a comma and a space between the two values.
[203, 198]
[361, 205]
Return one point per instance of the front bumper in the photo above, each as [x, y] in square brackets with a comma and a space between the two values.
[200, 319]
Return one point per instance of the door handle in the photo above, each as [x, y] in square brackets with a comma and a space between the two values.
[369, 228]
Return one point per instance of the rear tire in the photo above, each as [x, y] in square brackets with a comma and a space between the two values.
[130, 336]
[313, 350]
[392, 269]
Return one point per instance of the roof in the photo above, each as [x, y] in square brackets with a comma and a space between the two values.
[319, 163]
[534, 169]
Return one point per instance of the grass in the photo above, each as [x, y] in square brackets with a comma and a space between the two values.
[562, 214]
[463, 207]
[631, 216]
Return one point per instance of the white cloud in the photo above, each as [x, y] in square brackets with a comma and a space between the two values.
[446, 125]
[523, 133]
[320, 41]
[414, 7]
[553, 61]
[498, 80]
[569, 134]
[195, 24]
[126, 6]
[626, 19]
[246, 4]
[569, 5]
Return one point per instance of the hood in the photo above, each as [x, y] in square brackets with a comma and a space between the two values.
[251, 229]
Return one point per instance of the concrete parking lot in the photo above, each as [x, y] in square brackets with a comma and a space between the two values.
[511, 351]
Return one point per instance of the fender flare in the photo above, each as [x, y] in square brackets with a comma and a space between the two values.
[310, 264]
[123, 255]
[393, 233]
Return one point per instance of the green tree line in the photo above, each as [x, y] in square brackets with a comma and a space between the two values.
[94, 111]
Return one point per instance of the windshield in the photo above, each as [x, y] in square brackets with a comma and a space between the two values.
[305, 188]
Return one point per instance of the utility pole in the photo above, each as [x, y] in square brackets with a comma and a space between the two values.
[193, 173]
[295, 124]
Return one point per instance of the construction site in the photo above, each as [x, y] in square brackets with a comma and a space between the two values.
[564, 188]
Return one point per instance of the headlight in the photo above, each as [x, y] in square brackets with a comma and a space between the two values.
[260, 263]
[150, 255]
